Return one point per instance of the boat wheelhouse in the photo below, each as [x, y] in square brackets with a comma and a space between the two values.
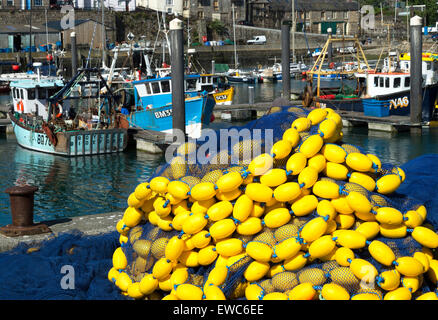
[51, 117]
[153, 105]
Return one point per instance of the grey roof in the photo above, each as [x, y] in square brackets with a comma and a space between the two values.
[56, 24]
[315, 5]
[24, 28]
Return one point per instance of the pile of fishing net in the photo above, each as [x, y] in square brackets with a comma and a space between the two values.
[307, 218]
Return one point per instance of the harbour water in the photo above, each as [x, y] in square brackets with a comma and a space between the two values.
[89, 185]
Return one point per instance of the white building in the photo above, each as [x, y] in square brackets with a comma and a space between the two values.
[169, 6]
[114, 5]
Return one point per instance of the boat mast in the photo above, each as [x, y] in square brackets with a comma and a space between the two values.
[234, 35]
[30, 35]
[293, 31]
[103, 35]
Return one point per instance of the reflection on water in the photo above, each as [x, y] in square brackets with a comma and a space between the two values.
[72, 186]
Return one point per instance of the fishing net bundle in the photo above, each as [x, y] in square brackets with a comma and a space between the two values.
[306, 216]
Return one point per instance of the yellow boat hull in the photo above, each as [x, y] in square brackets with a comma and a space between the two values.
[224, 97]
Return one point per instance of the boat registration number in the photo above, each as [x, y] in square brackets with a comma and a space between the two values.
[163, 114]
[221, 97]
[43, 140]
[399, 103]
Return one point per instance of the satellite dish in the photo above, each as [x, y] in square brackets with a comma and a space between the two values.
[130, 36]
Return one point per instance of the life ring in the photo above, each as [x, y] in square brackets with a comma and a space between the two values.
[59, 107]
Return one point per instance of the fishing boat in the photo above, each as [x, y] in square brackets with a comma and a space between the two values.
[239, 76]
[152, 109]
[73, 119]
[388, 91]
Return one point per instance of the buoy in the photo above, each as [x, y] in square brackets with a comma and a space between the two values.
[123, 281]
[358, 202]
[256, 270]
[260, 164]
[388, 183]
[258, 192]
[132, 217]
[229, 196]
[341, 205]
[220, 210]
[401, 293]
[303, 291]
[162, 268]
[381, 252]
[203, 191]
[344, 256]
[202, 206]
[333, 291]
[307, 177]
[317, 162]
[389, 280]
[333, 153]
[428, 296]
[327, 128]
[336, 171]
[412, 219]
[174, 248]
[317, 115]
[178, 189]
[287, 249]
[229, 181]
[207, 255]
[288, 191]
[119, 259]
[393, 231]
[389, 215]
[326, 189]
[412, 283]
[423, 259]
[344, 221]
[313, 229]
[213, 292]
[369, 229]
[363, 270]
[292, 136]
[311, 146]
[259, 251]
[229, 247]
[222, 229]
[187, 291]
[201, 239]
[351, 239]
[250, 226]
[359, 162]
[194, 223]
[304, 205]
[301, 124]
[277, 218]
[179, 276]
[296, 262]
[159, 184]
[254, 292]
[363, 180]
[432, 273]
[408, 266]
[179, 219]
[296, 163]
[281, 149]
[284, 281]
[377, 164]
[274, 177]
[321, 247]
[326, 209]
[425, 237]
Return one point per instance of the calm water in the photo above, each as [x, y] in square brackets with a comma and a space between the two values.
[81, 186]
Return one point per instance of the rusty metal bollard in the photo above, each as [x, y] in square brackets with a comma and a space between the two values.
[22, 202]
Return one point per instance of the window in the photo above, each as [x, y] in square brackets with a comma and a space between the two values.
[376, 82]
[397, 82]
[169, 2]
[381, 80]
[42, 93]
[31, 94]
[386, 82]
[38, 3]
[165, 86]
[216, 5]
[155, 87]
[191, 84]
[345, 14]
[21, 94]
[201, 14]
[10, 3]
[407, 82]
[428, 66]
[148, 88]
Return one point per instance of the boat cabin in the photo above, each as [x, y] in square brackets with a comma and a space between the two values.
[429, 67]
[387, 83]
[30, 96]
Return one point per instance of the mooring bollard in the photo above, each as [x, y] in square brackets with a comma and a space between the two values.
[285, 60]
[74, 55]
[22, 204]
[251, 95]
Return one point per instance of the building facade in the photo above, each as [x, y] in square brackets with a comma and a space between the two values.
[168, 6]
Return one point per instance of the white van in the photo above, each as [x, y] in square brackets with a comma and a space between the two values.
[257, 40]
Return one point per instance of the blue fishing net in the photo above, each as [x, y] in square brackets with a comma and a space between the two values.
[36, 274]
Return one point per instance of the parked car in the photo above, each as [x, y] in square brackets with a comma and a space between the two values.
[257, 40]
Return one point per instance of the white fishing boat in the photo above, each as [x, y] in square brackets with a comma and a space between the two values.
[68, 120]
